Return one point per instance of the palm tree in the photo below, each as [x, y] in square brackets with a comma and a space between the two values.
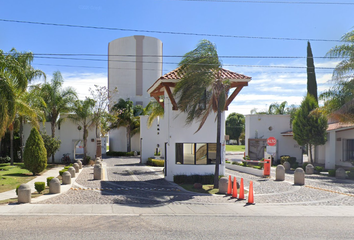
[346, 50]
[127, 115]
[276, 108]
[154, 110]
[59, 101]
[83, 114]
[201, 83]
[21, 107]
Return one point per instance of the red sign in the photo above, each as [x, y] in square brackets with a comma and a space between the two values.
[271, 141]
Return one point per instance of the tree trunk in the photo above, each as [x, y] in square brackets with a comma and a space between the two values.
[53, 135]
[218, 147]
[21, 139]
[310, 152]
[85, 141]
[128, 140]
[12, 143]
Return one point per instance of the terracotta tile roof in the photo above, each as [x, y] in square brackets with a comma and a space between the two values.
[225, 74]
[338, 125]
[287, 133]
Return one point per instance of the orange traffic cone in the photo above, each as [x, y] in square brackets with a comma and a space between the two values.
[234, 189]
[250, 194]
[241, 196]
[229, 186]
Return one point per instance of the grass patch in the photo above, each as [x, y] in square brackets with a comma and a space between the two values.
[33, 195]
[11, 176]
[207, 188]
[235, 148]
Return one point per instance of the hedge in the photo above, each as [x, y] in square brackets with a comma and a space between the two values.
[119, 154]
[191, 179]
[155, 162]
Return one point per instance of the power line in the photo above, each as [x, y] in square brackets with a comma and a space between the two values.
[170, 32]
[172, 56]
[273, 2]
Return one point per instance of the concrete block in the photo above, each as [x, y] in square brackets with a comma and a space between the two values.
[340, 173]
[280, 173]
[76, 166]
[97, 172]
[24, 193]
[54, 185]
[310, 169]
[79, 163]
[66, 178]
[71, 170]
[223, 183]
[286, 166]
[299, 176]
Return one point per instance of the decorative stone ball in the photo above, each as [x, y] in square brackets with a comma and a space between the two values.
[286, 166]
[340, 173]
[310, 169]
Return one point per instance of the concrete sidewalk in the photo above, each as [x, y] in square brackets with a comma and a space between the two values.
[54, 172]
[177, 209]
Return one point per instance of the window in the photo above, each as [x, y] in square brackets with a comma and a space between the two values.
[195, 153]
[348, 150]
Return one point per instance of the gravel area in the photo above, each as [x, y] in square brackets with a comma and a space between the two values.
[130, 183]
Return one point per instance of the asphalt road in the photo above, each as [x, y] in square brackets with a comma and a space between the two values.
[174, 227]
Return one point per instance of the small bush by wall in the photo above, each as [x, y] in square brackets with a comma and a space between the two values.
[17, 189]
[120, 154]
[39, 186]
[332, 172]
[191, 179]
[62, 171]
[318, 169]
[155, 162]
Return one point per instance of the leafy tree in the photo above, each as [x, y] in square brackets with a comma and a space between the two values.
[52, 145]
[201, 90]
[309, 127]
[235, 125]
[127, 115]
[58, 101]
[311, 75]
[346, 50]
[35, 155]
[83, 114]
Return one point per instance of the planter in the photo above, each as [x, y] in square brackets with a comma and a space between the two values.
[249, 170]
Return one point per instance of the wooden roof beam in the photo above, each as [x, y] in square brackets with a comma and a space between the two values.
[170, 95]
[232, 97]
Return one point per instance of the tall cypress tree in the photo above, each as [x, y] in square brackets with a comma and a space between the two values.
[311, 75]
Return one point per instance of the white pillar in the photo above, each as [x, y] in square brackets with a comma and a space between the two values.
[330, 162]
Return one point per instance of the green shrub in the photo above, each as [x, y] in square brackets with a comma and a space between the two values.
[39, 186]
[48, 180]
[191, 179]
[155, 162]
[235, 163]
[120, 154]
[35, 155]
[246, 158]
[318, 169]
[244, 164]
[304, 165]
[62, 171]
[227, 161]
[294, 165]
[260, 165]
[17, 189]
[6, 159]
[51, 144]
[332, 172]
[284, 158]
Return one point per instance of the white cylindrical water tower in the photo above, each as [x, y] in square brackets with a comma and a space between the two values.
[134, 64]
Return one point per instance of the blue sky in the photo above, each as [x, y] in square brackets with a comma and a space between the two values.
[269, 84]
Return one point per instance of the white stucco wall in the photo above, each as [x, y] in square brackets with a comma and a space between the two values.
[69, 135]
[258, 126]
[125, 66]
[178, 132]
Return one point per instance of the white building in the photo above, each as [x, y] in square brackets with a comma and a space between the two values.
[71, 139]
[260, 127]
[339, 148]
[134, 64]
[185, 151]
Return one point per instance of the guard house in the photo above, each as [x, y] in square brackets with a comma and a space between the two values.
[184, 151]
